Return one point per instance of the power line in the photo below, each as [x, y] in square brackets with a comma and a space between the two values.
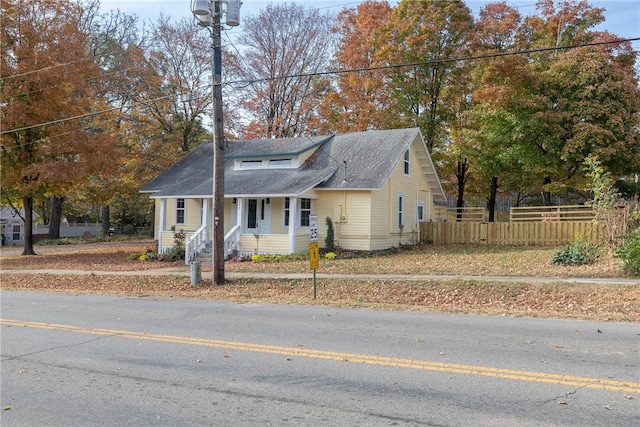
[26, 73]
[325, 73]
[81, 116]
[432, 62]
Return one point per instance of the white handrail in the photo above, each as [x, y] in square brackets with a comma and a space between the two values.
[198, 237]
[229, 245]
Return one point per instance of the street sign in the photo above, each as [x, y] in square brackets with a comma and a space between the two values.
[313, 228]
[314, 256]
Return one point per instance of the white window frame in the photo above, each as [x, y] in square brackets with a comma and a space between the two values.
[400, 211]
[16, 232]
[285, 211]
[281, 163]
[182, 209]
[251, 164]
[407, 163]
[302, 210]
[420, 212]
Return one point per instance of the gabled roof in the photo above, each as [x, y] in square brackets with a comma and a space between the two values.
[355, 160]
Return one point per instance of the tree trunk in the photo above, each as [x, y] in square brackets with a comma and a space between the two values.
[105, 217]
[27, 201]
[461, 175]
[546, 195]
[57, 202]
[491, 206]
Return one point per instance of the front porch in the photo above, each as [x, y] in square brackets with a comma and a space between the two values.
[253, 225]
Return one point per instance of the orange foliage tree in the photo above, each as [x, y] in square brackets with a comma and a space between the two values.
[359, 100]
[51, 140]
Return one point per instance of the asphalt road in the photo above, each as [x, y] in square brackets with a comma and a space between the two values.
[88, 360]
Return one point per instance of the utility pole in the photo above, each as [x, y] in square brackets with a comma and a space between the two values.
[208, 14]
[218, 152]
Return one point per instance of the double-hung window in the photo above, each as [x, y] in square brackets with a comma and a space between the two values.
[304, 211]
[400, 211]
[406, 162]
[420, 212]
[287, 203]
[180, 211]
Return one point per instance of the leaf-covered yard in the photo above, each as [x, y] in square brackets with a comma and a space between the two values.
[605, 302]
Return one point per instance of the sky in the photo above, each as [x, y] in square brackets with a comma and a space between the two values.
[622, 16]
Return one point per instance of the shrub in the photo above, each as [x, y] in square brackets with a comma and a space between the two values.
[149, 255]
[329, 240]
[629, 253]
[580, 252]
[174, 254]
[617, 216]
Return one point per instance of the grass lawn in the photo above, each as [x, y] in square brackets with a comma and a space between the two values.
[552, 299]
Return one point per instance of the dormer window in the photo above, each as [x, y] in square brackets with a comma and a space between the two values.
[266, 164]
[279, 163]
[251, 164]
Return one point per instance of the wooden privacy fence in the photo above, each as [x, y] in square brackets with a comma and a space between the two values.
[552, 213]
[509, 233]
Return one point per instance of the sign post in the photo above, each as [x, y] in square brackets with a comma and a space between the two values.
[314, 252]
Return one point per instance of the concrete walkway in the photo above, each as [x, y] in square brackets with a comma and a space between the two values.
[185, 271]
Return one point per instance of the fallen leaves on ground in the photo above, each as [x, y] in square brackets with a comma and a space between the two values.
[602, 302]
[580, 301]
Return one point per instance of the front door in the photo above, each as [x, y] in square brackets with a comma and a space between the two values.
[258, 216]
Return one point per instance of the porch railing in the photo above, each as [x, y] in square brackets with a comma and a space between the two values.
[232, 240]
[195, 243]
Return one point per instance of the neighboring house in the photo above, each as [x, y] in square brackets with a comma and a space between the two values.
[376, 187]
[12, 226]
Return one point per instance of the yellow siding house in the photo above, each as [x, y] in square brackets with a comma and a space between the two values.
[375, 186]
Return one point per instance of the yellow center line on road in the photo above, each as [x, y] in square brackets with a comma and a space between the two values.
[454, 368]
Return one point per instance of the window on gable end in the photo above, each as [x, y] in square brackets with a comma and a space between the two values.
[400, 211]
[406, 162]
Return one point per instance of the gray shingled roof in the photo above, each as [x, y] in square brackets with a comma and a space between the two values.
[370, 158]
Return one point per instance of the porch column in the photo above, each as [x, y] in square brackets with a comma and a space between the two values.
[240, 222]
[293, 220]
[161, 222]
[204, 213]
[239, 213]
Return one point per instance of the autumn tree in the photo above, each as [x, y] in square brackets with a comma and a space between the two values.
[585, 99]
[547, 111]
[359, 100]
[428, 34]
[487, 135]
[50, 138]
[181, 57]
[283, 46]
[118, 47]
